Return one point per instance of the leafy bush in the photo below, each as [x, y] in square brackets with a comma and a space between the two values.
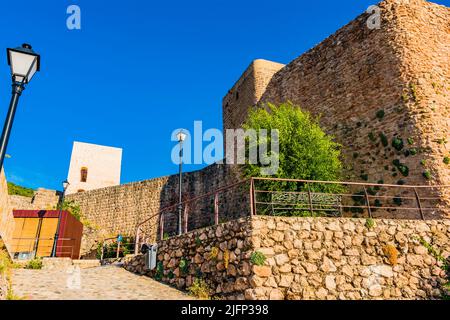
[258, 258]
[73, 208]
[14, 189]
[34, 264]
[200, 289]
[184, 266]
[397, 143]
[305, 151]
[446, 160]
[427, 175]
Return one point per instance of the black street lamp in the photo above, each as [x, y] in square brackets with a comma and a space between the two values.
[61, 204]
[181, 137]
[24, 64]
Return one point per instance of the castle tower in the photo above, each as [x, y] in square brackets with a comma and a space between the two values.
[247, 91]
[93, 166]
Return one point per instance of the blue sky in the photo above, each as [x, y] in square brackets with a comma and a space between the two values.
[137, 70]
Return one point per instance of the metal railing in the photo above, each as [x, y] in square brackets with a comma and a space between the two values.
[295, 197]
[35, 245]
[125, 247]
[334, 198]
[221, 205]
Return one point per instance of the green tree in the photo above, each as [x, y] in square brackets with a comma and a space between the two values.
[306, 152]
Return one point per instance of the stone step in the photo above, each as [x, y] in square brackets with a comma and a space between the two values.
[84, 264]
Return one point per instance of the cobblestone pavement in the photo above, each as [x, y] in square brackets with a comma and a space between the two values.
[99, 283]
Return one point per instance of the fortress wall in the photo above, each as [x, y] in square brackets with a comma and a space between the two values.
[401, 68]
[247, 91]
[6, 215]
[119, 209]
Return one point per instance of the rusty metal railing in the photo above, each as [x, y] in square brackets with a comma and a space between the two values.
[119, 247]
[295, 197]
[223, 204]
[35, 245]
[276, 196]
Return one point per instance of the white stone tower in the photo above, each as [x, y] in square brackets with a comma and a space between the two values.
[93, 166]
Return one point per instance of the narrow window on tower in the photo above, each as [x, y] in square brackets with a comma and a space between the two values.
[84, 173]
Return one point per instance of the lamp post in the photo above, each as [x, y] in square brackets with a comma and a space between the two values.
[24, 63]
[61, 204]
[181, 137]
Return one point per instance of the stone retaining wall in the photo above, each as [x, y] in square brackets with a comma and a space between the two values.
[6, 215]
[309, 258]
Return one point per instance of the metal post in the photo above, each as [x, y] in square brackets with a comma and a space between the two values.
[180, 205]
[186, 208]
[368, 202]
[16, 92]
[103, 250]
[216, 209]
[310, 201]
[55, 242]
[136, 243]
[161, 227]
[419, 204]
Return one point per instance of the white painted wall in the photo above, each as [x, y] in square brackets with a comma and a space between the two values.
[103, 163]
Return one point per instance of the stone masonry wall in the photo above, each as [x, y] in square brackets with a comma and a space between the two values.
[373, 86]
[6, 215]
[308, 258]
[226, 272]
[119, 209]
[43, 199]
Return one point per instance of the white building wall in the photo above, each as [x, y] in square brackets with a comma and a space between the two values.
[103, 165]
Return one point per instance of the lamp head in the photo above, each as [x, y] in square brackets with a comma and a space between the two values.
[24, 63]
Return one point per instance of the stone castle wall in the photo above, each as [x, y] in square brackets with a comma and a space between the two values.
[6, 215]
[400, 72]
[43, 199]
[308, 258]
[120, 209]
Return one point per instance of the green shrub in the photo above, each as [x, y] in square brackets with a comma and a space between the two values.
[73, 208]
[257, 258]
[370, 223]
[14, 189]
[410, 141]
[384, 139]
[380, 114]
[306, 152]
[397, 143]
[159, 271]
[427, 175]
[34, 264]
[200, 289]
[184, 266]
[372, 136]
[198, 242]
[446, 160]
[404, 170]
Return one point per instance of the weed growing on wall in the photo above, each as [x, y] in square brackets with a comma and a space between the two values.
[200, 289]
[34, 264]
[258, 258]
